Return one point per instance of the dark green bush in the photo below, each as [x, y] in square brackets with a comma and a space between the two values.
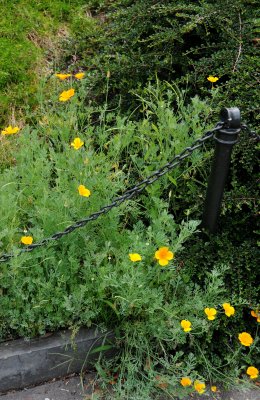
[177, 40]
[235, 243]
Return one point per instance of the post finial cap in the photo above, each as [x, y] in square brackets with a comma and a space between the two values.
[231, 117]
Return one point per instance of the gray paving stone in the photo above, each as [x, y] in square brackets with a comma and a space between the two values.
[68, 389]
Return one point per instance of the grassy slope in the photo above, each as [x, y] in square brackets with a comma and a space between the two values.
[31, 33]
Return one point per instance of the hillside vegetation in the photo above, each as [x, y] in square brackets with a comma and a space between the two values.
[33, 35]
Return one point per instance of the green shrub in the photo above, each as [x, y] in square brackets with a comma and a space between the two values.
[86, 278]
[178, 41]
[235, 243]
[40, 174]
[156, 354]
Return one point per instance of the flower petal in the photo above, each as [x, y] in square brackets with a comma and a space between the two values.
[163, 262]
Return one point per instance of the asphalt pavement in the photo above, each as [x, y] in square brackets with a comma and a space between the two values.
[73, 389]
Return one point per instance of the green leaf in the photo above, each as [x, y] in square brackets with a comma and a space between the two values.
[104, 347]
[172, 180]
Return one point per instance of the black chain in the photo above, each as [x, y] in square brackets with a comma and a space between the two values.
[251, 133]
[127, 195]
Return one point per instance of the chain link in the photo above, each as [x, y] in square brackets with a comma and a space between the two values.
[127, 195]
[251, 133]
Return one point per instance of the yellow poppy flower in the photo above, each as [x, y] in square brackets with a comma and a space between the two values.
[186, 325]
[256, 315]
[77, 143]
[229, 310]
[135, 257]
[80, 75]
[26, 240]
[252, 372]
[62, 77]
[66, 95]
[83, 191]
[214, 389]
[186, 381]
[212, 79]
[10, 130]
[245, 339]
[199, 387]
[163, 255]
[211, 313]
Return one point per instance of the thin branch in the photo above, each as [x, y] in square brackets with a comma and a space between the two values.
[240, 44]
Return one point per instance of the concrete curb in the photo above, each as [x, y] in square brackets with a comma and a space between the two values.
[25, 363]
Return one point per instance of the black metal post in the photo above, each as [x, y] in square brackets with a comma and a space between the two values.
[225, 139]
